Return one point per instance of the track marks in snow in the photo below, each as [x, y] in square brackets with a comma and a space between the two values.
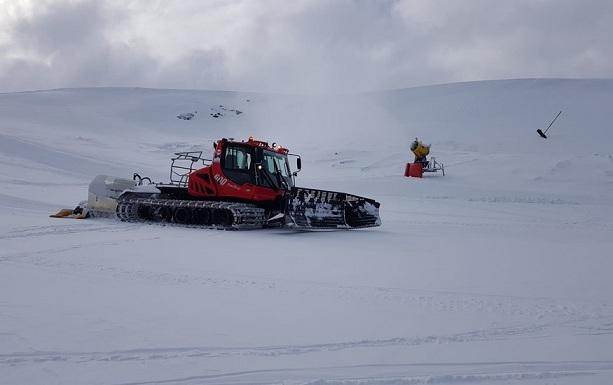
[539, 200]
[453, 378]
[599, 326]
[146, 354]
[534, 309]
[13, 202]
[81, 227]
[38, 183]
[449, 302]
[400, 374]
[61, 160]
[537, 310]
[47, 259]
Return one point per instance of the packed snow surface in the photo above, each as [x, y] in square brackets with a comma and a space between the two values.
[499, 272]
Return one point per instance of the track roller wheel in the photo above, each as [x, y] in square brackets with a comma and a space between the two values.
[144, 212]
[223, 217]
[165, 213]
[182, 215]
[202, 216]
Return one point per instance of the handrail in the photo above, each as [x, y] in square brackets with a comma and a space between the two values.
[188, 161]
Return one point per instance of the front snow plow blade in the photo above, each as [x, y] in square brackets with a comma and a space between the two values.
[319, 209]
[76, 213]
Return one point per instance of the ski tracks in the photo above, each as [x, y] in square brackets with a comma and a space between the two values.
[204, 352]
[146, 354]
[537, 318]
[538, 310]
[40, 231]
[410, 374]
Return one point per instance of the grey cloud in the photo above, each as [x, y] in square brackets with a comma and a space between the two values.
[62, 27]
[199, 68]
[309, 46]
[64, 44]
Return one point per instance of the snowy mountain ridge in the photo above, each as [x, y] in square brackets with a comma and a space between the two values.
[498, 272]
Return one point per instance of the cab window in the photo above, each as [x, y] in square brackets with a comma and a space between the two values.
[236, 164]
[237, 159]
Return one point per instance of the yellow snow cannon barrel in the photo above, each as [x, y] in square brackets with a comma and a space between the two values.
[419, 149]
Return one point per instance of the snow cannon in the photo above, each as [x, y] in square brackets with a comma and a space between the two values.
[421, 164]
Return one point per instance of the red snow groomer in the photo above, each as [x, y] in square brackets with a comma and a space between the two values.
[247, 184]
[421, 163]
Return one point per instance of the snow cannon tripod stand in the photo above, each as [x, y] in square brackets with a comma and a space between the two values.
[434, 166]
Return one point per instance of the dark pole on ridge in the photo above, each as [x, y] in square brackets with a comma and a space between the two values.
[541, 133]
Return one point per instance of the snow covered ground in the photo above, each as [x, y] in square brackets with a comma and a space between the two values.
[500, 272]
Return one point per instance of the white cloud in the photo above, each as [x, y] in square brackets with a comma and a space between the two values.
[301, 45]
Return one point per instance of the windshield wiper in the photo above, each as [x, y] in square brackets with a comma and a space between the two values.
[269, 178]
[280, 179]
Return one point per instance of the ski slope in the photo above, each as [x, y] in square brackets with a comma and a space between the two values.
[497, 273]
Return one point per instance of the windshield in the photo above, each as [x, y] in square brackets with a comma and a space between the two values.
[271, 159]
[276, 163]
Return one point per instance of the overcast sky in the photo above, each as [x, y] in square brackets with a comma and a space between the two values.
[299, 45]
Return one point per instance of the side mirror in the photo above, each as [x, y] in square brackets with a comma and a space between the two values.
[299, 163]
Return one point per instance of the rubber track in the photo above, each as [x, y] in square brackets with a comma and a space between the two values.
[245, 215]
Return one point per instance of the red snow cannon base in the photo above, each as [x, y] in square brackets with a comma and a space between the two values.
[415, 170]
